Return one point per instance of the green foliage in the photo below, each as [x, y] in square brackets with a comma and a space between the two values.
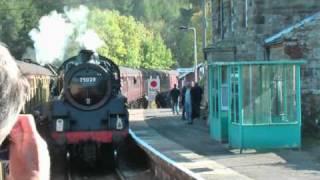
[156, 54]
[161, 17]
[129, 42]
[17, 18]
[15, 24]
[164, 18]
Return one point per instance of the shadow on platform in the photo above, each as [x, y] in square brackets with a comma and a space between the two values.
[274, 164]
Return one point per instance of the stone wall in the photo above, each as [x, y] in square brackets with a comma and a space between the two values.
[244, 24]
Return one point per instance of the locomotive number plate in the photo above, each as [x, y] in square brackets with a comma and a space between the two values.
[88, 79]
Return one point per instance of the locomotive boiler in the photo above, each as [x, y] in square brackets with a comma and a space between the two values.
[89, 119]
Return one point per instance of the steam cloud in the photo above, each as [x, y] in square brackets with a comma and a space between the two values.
[51, 38]
[90, 40]
[56, 30]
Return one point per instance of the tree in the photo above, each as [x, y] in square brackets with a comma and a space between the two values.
[128, 42]
[17, 18]
[164, 18]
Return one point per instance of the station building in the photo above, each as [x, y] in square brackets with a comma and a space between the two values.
[273, 30]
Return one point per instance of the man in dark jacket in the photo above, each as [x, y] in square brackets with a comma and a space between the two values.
[158, 99]
[174, 94]
[196, 94]
[182, 94]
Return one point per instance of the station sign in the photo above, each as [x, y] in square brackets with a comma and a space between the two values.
[153, 87]
[185, 70]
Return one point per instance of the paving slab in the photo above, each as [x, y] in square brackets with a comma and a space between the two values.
[191, 147]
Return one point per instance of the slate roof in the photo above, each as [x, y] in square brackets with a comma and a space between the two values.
[33, 69]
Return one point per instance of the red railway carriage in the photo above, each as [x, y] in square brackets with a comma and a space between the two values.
[131, 83]
[134, 83]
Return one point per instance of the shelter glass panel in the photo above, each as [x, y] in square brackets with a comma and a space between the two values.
[277, 87]
[291, 95]
[234, 78]
[269, 94]
[215, 94]
[224, 88]
[256, 94]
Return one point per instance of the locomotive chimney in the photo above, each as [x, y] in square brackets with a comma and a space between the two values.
[86, 55]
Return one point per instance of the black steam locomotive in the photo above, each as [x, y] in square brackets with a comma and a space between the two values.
[89, 118]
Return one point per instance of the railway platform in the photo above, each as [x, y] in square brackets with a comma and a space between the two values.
[191, 148]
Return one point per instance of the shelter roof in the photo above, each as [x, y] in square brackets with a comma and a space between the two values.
[278, 37]
[271, 62]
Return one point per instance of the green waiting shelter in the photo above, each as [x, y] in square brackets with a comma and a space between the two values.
[255, 104]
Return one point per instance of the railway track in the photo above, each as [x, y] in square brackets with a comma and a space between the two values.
[109, 176]
[131, 164]
[67, 170]
[117, 174]
[73, 173]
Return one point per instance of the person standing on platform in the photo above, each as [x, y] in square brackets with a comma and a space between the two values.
[174, 94]
[196, 94]
[188, 103]
[182, 93]
[158, 99]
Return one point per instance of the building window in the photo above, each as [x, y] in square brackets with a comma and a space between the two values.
[231, 14]
[221, 18]
[245, 14]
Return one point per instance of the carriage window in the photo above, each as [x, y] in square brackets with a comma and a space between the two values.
[134, 80]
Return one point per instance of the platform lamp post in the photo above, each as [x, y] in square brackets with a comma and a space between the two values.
[194, 49]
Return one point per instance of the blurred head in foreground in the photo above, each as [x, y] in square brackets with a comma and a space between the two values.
[14, 89]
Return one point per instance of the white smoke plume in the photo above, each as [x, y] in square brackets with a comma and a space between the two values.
[90, 40]
[78, 18]
[87, 38]
[55, 31]
[51, 37]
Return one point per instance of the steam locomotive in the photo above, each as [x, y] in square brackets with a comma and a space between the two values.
[89, 118]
